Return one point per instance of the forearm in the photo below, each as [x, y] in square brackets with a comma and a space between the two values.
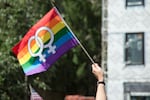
[97, 71]
[100, 95]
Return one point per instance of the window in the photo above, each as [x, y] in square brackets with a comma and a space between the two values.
[136, 91]
[134, 2]
[134, 48]
[140, 98]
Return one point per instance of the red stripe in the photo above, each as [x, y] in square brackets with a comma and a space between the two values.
[49, 16]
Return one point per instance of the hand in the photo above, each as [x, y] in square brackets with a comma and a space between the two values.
[97, 71]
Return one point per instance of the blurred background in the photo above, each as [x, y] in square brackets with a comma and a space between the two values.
[71, 74]
[115, 33]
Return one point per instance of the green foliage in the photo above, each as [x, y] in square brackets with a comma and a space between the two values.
[72, 72]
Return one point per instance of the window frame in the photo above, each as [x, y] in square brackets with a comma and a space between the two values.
[143, 47]
[136, 89]
[139, 94]
[132, 5]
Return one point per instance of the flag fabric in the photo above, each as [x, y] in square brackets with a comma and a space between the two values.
[44, 43]
[34, 95]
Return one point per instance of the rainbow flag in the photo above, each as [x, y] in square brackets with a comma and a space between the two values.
[44, 43]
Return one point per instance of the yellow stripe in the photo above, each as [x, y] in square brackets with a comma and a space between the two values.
[55, 29]
[24, 58]
[58, 27]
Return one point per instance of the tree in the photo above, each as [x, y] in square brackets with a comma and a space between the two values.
[84, 20]
[16, 18]
[72, 70]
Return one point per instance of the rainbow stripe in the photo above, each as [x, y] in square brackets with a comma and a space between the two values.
[64, 40]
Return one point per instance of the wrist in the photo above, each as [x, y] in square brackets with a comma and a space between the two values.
[100, 77]
[100, 82]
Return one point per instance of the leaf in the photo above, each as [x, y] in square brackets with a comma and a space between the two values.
[75, 59]
[81, 71]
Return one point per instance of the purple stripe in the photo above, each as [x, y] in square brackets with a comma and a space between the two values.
[36, 70]
[53, 58]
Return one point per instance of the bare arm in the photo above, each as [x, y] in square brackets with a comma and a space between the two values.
[97, 71]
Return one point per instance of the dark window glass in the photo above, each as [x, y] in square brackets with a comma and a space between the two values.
[134, 2]
[140, 98]
[134, 48]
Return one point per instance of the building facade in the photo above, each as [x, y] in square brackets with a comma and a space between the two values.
[126, 53]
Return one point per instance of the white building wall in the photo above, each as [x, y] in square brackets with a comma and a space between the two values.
[118, 72]
[122, 20]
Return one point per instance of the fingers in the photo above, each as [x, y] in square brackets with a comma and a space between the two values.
[97, 71]
[95, 67]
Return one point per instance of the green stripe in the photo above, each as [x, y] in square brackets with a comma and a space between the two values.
[58, 35]
[61, 33]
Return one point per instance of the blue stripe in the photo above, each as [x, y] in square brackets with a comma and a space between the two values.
[58, 44]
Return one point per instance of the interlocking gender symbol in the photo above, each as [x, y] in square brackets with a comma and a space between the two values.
[41, 45]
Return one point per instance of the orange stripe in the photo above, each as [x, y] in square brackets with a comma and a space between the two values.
[25, 50]
[50, 24]
[54, 21]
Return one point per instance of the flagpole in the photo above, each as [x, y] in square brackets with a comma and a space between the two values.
[85, 51]
[52, 3]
